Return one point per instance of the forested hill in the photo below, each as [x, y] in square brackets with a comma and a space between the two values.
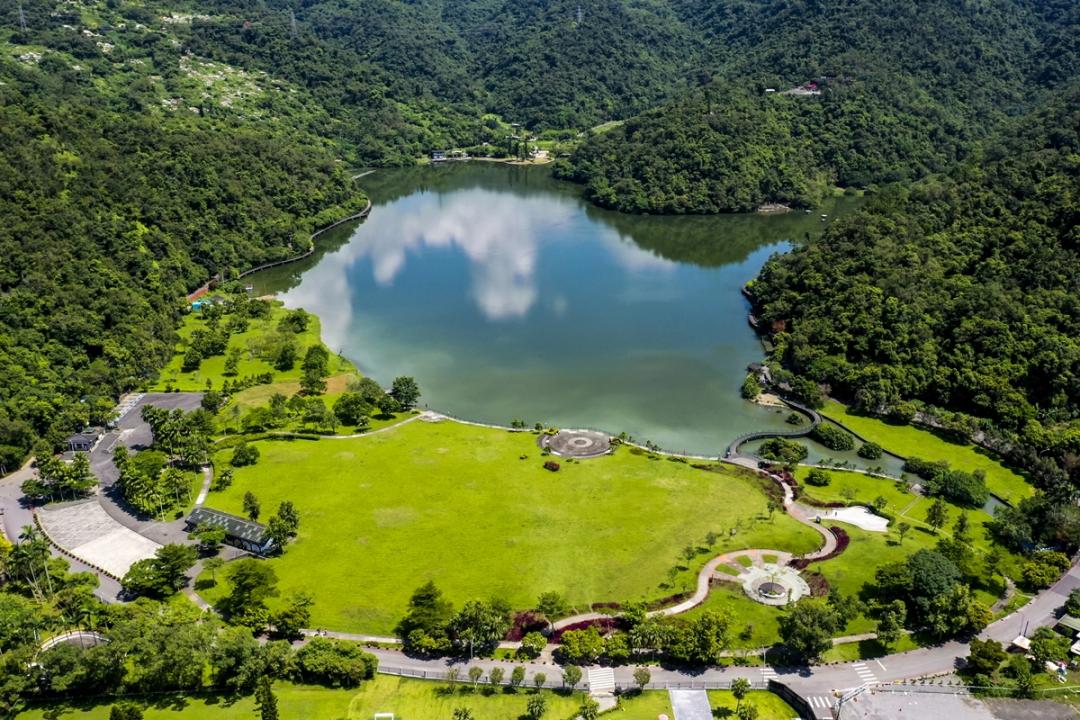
[129, 175]
[902, 89]
[961, 292]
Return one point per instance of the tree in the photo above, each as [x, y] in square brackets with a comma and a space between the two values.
[212, 565]
[517, 677]
[289, 515]
[279, 532]
[533, 644]
[125, 711]
[818, 478]
[244, 455]
[265, 700]
[589, 710]
[480, 624]
[739, 688]
[937, 515]
[581, 647]
[747, 712]
[890, 626]
[335, 663]
[312, 383]
[463, 713]
[539, 679]
[642, 677]
[161, 575]
[424, 627]
[571, 676]
[751, 388]
[986, 656]
[388, 406]
[352, 409]
[807, 630]
[961, 528]
[475, 673]
[209, 538]
[902, 529]
[294, 617]
[1072, 604]
[536, 707]
[704, 640]
[251, 505]
[405, 390]
[253, 583]
[552, 605]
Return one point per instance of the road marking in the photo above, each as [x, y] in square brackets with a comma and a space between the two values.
[865, 674]
[880, 665]
[767, 672]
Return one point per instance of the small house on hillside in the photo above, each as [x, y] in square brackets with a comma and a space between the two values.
[86, 440]
[438, 155]
[245, 534]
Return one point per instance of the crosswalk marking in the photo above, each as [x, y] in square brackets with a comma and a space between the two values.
[601, 679]
[820, 701]
[767, 672]
[865, 674]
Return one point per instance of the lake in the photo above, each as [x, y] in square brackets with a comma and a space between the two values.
[508, 297]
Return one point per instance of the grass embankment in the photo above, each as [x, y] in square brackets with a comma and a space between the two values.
[857, 565]
[407, 699]
[248, 342]
[910, 441]
[869, 550]
[474, 510]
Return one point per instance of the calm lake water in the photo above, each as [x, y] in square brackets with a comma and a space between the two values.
[508, 297]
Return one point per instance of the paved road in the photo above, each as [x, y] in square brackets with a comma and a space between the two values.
[134, 433]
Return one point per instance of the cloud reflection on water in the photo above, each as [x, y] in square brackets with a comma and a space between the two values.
[499, 233]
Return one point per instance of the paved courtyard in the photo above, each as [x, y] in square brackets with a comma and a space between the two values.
[690, 704]
[923, 706]
[577, 443]
[89, 533]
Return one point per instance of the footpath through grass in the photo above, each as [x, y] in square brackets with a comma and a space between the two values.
[407, 699]
[910, 441]
[474, 510]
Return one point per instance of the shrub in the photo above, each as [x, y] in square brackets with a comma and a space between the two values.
[335, 663]
[551, 465]
[818, 478]
[833, 437]
[750, 388]
[783, 450]
[794, 419]
[244, 454]
[870, 451]
[533, 644]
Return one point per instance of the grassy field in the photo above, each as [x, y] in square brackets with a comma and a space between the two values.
[407, 699]
[474, 510]
[213, 368]
[909, 441]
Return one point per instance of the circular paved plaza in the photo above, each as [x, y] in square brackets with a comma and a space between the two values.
[577, 443]
[773, 584]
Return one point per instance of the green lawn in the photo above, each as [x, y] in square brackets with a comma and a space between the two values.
[407, 699]
[213, 368]
[454, 503]
[909, 441]
[903, 506]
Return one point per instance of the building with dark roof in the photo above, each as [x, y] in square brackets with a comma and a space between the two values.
[242, 533]
[86, 440]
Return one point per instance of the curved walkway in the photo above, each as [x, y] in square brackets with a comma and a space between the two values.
[815, 420]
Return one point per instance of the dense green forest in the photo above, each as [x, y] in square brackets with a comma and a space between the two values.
[151, 145]
[961, 292]
[882, 108]
[121, 189]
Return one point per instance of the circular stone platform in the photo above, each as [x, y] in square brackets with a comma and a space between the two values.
[577, 443]
[773, 584]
